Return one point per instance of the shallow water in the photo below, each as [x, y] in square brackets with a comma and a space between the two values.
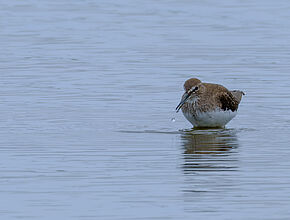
[88, 92]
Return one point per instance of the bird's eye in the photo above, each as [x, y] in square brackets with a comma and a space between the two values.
[193, 89]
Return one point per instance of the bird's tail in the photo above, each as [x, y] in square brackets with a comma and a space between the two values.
[238, 94]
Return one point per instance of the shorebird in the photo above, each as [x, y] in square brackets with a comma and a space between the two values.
[207, 104]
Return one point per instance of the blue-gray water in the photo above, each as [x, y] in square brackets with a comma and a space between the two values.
[88, 90]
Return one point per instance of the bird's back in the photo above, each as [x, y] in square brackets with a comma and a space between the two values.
[217, 96]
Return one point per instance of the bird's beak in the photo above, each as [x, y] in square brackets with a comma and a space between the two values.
[183, 100]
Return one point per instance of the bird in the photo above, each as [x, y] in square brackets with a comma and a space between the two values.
[208, 105]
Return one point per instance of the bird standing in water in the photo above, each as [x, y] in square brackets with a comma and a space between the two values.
[207, 104]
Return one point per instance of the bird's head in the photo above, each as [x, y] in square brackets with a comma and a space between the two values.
[193, 87]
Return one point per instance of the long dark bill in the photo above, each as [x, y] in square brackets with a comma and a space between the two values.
[183, 100]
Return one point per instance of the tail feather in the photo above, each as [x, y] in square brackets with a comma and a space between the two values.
[237, 94]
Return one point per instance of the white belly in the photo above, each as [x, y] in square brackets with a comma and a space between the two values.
[210, 119]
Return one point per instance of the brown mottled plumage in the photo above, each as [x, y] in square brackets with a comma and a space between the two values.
[202, 98]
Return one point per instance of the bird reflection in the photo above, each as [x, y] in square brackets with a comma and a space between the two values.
[209, 150]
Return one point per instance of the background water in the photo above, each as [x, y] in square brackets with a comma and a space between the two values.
[88, 91]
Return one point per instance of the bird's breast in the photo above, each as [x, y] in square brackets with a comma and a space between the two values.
[215, 118]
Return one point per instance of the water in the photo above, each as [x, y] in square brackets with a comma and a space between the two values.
[88, 93]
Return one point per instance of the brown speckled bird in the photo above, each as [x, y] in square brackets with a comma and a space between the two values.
[207, 104]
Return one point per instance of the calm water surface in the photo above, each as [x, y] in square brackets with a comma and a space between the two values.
[88, 91]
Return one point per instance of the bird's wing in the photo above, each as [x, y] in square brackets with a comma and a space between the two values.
[227, 101]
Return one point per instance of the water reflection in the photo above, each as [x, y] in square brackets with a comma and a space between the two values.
[209, 150]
